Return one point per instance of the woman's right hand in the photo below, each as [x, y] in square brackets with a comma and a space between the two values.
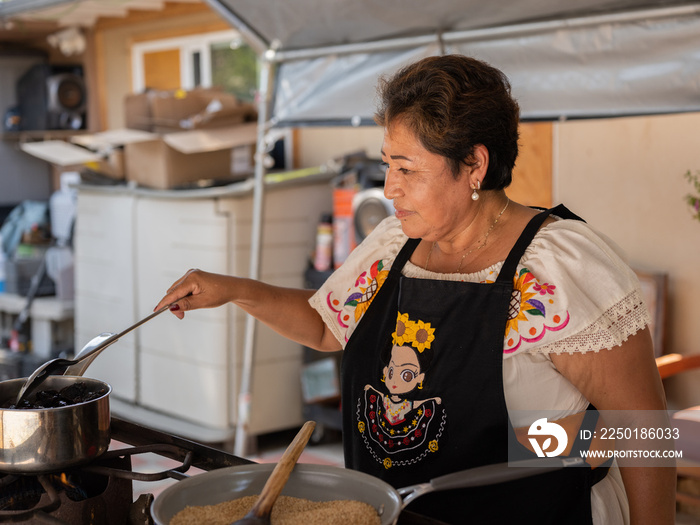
[285, 310]
[198, 289]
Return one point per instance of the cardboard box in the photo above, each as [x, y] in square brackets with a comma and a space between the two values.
[179, 159]
[69, 157]
[137, 109]
[202, 135]
[161, 161]
[165, 161]
[101, 152]
[167, 111]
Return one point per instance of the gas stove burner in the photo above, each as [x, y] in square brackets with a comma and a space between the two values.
[68, 496]
[23, 493]
[102, 491]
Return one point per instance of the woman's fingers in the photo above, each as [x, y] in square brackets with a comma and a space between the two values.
[198, 289]
[179, 292]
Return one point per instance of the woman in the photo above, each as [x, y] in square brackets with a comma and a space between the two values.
[529, 311]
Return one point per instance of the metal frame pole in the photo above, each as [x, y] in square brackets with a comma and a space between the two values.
[245, 391]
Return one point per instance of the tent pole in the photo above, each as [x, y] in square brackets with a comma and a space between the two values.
[245, 392]
[624, 17]
[250, 35]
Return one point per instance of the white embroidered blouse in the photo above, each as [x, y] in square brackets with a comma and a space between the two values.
[572, 293]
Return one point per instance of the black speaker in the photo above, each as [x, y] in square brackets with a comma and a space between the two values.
[52, 97]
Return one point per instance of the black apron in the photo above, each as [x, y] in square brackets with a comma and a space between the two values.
[433, 403]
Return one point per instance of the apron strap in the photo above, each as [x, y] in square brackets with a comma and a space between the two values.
[590, 419]
[404, 254]
[511, 264]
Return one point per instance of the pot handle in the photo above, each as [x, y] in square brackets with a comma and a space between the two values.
[488, 475]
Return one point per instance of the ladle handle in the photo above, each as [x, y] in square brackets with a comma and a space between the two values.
[88, 355]
[280, 474]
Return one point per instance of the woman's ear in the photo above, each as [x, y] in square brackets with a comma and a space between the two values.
[479, 166]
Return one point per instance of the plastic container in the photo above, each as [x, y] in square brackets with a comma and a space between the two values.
[59, 267]
[63, 207]
[344, 240]
[323, 258]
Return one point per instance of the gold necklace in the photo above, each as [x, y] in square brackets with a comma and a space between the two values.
[461, 261]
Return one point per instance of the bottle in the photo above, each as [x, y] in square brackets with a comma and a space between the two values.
[323, 258]
[62, 208]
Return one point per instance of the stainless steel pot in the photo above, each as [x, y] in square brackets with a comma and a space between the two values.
[326, 483]
[51, 439]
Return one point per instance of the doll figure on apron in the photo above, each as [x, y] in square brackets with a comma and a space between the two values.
[399, 421]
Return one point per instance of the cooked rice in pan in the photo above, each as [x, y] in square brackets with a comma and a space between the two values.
[286, 511]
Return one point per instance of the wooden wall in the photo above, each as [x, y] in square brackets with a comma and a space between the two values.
[532, 177]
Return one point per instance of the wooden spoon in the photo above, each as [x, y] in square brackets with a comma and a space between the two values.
[259, 514]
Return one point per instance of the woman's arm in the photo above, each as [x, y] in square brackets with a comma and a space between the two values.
[626, 378]
[285, 310]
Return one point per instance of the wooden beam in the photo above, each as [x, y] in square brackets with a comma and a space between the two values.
[171, 9]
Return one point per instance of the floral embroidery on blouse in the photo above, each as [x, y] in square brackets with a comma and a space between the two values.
[366, 285]
[532, 311]
[531, 304]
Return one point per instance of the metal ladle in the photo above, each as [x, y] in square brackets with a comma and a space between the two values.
[77, 366]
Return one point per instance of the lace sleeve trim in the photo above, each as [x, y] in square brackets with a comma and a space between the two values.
[612, 328]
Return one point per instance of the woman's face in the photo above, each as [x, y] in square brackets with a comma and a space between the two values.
[430, 203]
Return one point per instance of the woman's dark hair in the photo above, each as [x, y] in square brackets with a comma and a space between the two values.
[452, 103]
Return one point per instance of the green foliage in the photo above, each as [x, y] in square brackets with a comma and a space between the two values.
[235, 70]
[693, 199]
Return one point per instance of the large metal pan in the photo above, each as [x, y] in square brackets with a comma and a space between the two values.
[325, 483]
[34, 441]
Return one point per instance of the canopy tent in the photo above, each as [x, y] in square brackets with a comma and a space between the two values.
[565, 60]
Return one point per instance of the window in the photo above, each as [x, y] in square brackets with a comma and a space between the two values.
[219, 59]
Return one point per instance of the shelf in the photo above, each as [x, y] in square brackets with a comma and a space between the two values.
[37, 135]
[48, 308]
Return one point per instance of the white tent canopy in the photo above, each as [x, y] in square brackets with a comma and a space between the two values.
[565, 60]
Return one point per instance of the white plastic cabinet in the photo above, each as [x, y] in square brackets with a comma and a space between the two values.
[190, 370]
[104, 285]
[182, 364]
[289, 231]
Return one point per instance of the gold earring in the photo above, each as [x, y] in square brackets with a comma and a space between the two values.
[384, 378]
[420, 385]
[475, 195]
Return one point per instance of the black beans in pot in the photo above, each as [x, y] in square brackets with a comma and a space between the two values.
[73, 394]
